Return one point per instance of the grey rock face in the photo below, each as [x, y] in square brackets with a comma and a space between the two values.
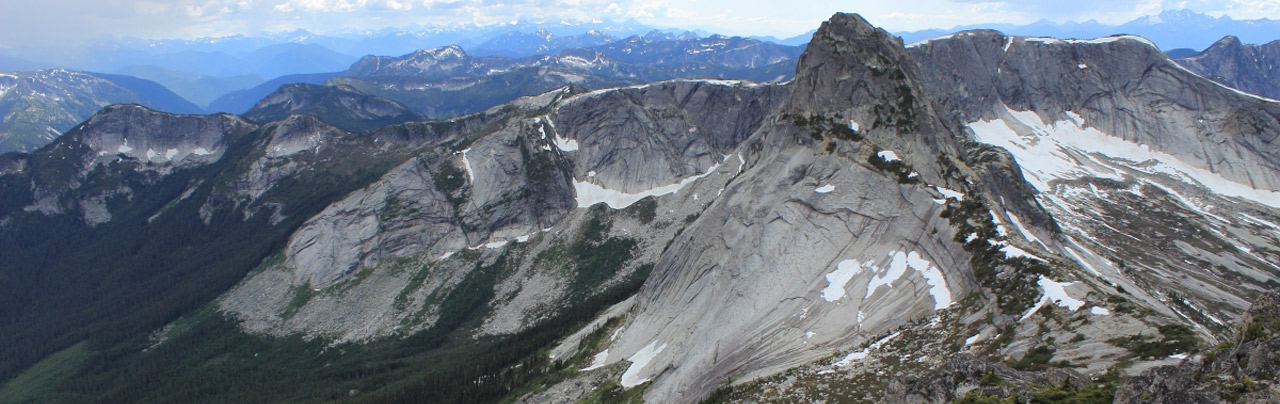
[1121, 86]
[1246, 67]
[341, 106]
[1119, 125]
[517, 180]
[139, 138]
[640, 138]
[800, 237]
[804, 240]
[158, 140]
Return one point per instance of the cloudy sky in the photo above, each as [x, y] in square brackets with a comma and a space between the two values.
[57, 21]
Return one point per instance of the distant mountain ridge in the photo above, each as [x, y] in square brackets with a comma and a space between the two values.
[1246, 67]
[39, 106]
[1169, 30]
[446, 81]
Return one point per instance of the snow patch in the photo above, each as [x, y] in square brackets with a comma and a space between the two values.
[1099, 311]
[566, 144]
[950, 193]
[590, 194]
[1260, 222]
[837, 279]
[898, 265]
[1062, 151]
[859, 355]
[897, 268]
[1015, 252]
[973, 339]
[918, 43]
[853, 125]
[466, 163]
[825, 189]
[1096, 41]
[1054, 292]
[1026, 233]
[200, 151]
[631, 377]
[170, 154]
[598, 362]
[124, 148]
[888, 155]
[937, 287]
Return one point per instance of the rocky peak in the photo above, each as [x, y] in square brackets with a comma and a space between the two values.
[341, 106]
[1247, 67]
[858, 76]
[848, 63]
[422, 61]
[156, 138]
[1227, 41]
[297, 133]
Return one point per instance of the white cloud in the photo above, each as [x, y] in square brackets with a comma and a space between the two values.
[32, 22]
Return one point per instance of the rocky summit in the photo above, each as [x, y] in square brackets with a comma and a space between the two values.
[974, 218]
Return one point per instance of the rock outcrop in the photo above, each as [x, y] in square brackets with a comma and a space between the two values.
[964, 374]
[1245, 369]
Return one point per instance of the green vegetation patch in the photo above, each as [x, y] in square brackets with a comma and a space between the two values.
[1175, 338]
[613, 393]
[39, 382]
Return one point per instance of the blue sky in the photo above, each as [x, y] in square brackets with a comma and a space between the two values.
[55, 21]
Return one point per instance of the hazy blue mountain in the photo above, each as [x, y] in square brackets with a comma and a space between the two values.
[540, 42]
[13, 64]
[790, 41]
[288, 58]
[240, 101]
[37, 107]
[198, 88]
[1180, 53]
[717, 50]
[1170, 29]
[155, 95]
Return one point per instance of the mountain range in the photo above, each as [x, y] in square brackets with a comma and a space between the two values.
[39, 106]
[980, 217]
[1171, 29]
